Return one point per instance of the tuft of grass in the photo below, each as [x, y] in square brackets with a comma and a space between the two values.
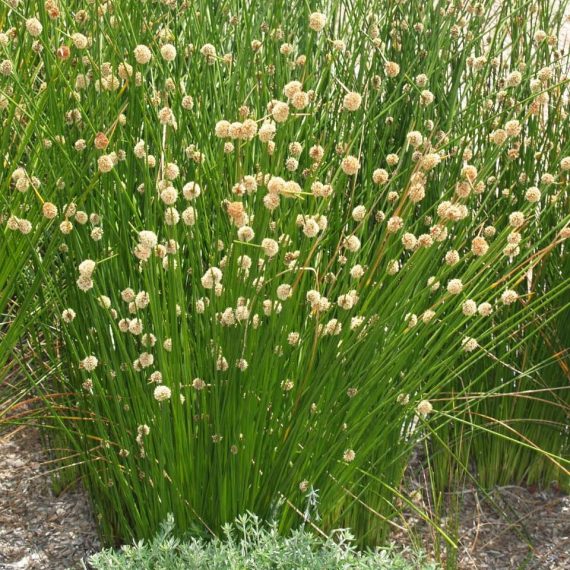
[368, 273]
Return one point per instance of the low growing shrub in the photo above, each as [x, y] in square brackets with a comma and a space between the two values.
[247, 544]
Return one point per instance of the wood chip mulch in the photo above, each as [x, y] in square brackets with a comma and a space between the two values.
[37, 529]
[511, 527]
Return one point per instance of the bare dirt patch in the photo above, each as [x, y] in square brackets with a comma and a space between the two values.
[38, 529]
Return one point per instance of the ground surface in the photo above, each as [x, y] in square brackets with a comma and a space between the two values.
[40, 531]
[513, 528]
[37, 529]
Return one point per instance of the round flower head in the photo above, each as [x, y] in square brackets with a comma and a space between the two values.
[34, 27]
[426, 97]
[189, 216]
[245, 233]
[454, 286]
[391, 68]
[350, 165]
[49, 210]
[409, 241]
[105, 163]
[352, 101]
[6, 67]
[148, 239]
[317, 21]
[424, 408]
[291, 88]
[89, 363]
[394, 224]
[349, 455]
[166, 116]
[171, 216]
[339, 45]
[87, 267]
[485, 309]
[142, 300]
[280, 112]
[469, 344]
[352, 243]
[310, 227]
[211, 278]
[414, 138]
[270, 247]
[169, 195]
[509, 297]
[142, 54]
[171, 171]
[479, 246]
[267, 132]
[24, 226]
[208, 51]
[300, 100]
[191, 190]
[452, 257]
[427, 316]
[498, 136]
[359, 213]
[101, 141]
[284, 291]
[392, 159]
[514, 78]
[532, 194]
[469, 172]
[380, 176]
[79, 40]
[66, 227]
[516, 219]
[513, 128]
[135, 327]
[222, 129]
[168, 52]
[68, 315]
[469, 308]
[162, 393]
[146, 359]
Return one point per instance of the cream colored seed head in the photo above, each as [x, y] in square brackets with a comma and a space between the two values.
[479, 246]
[162, 393]
[424, 408]
[454, 286]
[508, 297]
[280, 112]
[142, 54]
[350, 165]
[168, 52]
[391, 68]
[34, 27]
[317, 21]
[49, 210]
[352, 101]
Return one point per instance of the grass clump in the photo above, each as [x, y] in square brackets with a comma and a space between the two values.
[283, 244]
[248, 544]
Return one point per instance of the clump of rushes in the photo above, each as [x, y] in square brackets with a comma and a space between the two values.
[285, 233]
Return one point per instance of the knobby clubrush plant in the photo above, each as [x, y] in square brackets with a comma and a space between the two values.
[285, 242]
